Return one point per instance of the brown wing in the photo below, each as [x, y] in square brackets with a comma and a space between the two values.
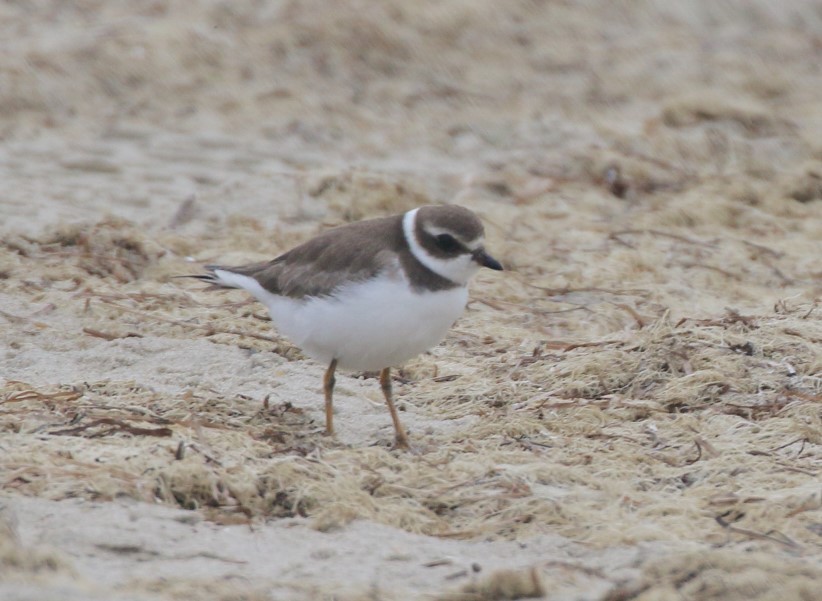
[353, 252]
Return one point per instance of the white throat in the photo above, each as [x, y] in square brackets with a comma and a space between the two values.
[458, 270]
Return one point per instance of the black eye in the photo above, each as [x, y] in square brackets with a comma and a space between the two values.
[448, 243]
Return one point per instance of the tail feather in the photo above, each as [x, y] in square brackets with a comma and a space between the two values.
[210, 277]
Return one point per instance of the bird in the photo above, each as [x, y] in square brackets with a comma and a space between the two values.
[369, 295]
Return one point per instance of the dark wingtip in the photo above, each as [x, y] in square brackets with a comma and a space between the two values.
[207, 277]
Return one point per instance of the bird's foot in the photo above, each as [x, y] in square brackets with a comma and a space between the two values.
[401, 443]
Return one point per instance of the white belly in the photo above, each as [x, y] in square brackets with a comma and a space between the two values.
[366, 326]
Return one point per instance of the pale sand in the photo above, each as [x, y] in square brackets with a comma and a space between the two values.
[630, 411]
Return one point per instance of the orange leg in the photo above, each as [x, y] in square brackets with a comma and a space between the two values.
[401, 439]
[328, 388]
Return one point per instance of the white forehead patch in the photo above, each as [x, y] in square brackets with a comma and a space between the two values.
[458, 269]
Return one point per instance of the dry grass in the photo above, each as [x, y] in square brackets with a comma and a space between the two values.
[648, 368]
[629, 419]
[659, 429]
[722, 574]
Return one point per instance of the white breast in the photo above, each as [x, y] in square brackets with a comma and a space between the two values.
[366, 326]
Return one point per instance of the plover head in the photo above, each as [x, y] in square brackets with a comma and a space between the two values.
[448, 240]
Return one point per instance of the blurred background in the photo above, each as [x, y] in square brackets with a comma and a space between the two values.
[637, 395]
[473, 79]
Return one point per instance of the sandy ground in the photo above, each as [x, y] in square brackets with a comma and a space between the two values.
[630, 411]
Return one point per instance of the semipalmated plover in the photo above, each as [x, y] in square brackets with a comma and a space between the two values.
[370, 295]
